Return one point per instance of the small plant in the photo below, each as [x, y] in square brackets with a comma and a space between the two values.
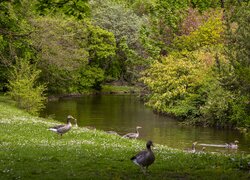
[23, 88]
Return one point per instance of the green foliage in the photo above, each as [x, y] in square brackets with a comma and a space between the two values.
[208, 33]
[130, 62]
[169, 13]
[240, 111]
[162, 25]
[195, 81]
[14, 35]
[90, 77]
[203, 5]
[150, 45]
[117, 19]
[23, 87]
[180, 83]
[101, 46]
[61, 45]
[238, 37]
[173, 84]
[216, 109]
[119, 89]
[237, 53]
[143, 7]
[76, 8]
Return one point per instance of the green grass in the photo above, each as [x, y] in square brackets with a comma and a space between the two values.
[119, 89]
[29, 151]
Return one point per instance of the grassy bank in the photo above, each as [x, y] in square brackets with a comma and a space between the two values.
[119, 89]
[29, 151]
[106, 89]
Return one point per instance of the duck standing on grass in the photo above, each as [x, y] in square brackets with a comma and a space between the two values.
[144, 158]
[61, 129]
[133, 135]
[202, 151]
[192, 150]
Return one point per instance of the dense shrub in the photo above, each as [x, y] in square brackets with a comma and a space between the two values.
[174, 84]
[23, 87]
[90, 77]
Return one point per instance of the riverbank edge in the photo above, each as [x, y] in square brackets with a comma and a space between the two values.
[106, 90]
[26, 143]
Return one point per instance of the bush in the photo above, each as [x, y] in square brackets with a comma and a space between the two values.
[216, 110]
[90, 77]
[23, 88]
[174, 84]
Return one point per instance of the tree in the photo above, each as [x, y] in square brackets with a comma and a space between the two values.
[173, 84]
[101, 46]
[61, 47]
[14, 36]
[76, 8]
[238, 45]
[116, 18]
[237, 52]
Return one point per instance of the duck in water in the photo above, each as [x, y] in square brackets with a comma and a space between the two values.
[232, 145]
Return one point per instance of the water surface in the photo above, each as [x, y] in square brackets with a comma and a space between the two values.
[122, 113]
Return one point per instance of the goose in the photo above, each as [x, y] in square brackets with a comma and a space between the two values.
[76, 125]
[144, 158]
[192, 150]
[232, 145]
[61, 129]
[133, 135]
[202, 151]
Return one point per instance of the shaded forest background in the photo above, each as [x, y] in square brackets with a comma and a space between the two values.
[191, 57]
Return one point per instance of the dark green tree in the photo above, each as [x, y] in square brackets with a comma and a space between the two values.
[76, 8]
[237, 75]
[116, 18]
[14, 36]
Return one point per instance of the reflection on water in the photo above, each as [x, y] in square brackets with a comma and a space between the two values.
[122, 113]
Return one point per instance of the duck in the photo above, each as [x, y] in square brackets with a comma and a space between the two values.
[144, 158]
[133, 135]
[232, 145]
[202, 151]
[192, 150]
[62, 129]
[76, 125]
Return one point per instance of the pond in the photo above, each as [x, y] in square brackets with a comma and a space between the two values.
[122, 113]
